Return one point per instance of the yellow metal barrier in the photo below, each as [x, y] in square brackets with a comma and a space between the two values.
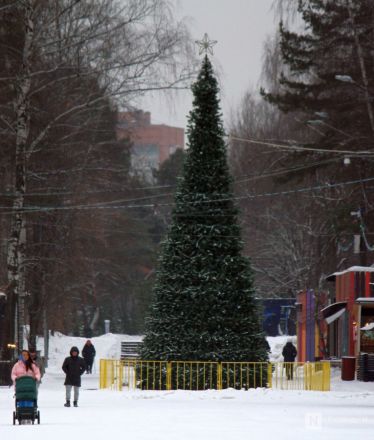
[196, 376]
[245, 375]
[313, 376]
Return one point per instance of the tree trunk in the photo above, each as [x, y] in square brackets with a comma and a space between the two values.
[17, 241]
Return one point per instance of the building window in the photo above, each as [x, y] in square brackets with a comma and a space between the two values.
[357, 284]
[371, 285]
[362, 286]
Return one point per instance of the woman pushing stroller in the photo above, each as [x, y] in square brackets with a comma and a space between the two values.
[25, 376]
[25, 367]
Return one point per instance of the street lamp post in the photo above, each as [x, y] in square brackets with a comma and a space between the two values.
[348, 79]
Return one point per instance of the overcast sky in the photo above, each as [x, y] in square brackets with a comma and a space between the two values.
[240, 26]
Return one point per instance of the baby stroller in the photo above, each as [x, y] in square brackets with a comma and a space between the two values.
[26, 401]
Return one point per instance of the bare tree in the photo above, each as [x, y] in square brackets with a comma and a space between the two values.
[296, 233]
[75, 57]
[285, 10]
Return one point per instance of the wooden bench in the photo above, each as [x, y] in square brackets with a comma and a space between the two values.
[130, 350]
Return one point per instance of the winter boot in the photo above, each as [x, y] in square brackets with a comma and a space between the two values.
[75, 403]
[67, 404]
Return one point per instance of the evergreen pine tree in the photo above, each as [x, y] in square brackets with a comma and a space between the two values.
[203, 306]
[330, 72]
[328, 84]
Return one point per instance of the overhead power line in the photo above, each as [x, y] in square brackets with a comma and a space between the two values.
[299, 148]
[10, 210]
[240, 179]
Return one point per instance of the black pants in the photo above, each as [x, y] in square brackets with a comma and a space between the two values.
[89, 364]
[289, 370]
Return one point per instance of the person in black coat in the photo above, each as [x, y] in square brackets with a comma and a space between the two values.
[73, 366]
[89, 354]
[289, 355]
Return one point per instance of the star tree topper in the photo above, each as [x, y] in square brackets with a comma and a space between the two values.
[206, 45]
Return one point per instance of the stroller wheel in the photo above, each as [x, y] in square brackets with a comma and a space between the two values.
[38, 418]
[14, 417]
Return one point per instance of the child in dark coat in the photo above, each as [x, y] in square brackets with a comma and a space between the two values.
[73, 366]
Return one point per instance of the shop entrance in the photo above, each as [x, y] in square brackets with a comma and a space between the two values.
[367, 328]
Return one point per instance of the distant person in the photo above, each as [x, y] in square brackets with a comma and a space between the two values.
[73, 366]
[289, 355]
[89, 354]
[25, 367]
[38, 361]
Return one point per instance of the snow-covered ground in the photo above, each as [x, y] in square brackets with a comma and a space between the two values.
[344, 413]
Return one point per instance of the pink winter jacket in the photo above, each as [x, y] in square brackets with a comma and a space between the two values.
[19, 370]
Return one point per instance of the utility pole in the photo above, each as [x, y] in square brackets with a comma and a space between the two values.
[363, 246]
[3, 299]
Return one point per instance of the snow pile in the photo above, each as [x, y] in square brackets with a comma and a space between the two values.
[276, 346]
[107, 346]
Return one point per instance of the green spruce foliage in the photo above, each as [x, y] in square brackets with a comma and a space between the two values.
[203, 306]
[329, 77]
[327, 85]
[170, 169]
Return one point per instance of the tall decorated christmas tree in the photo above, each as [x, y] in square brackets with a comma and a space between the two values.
[203, 305]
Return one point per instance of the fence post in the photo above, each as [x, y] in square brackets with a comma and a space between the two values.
[219, 376]
[120, 367]
[102, 374]
[307, 376]
[168, 376]
[270, 375]
[326, 371]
